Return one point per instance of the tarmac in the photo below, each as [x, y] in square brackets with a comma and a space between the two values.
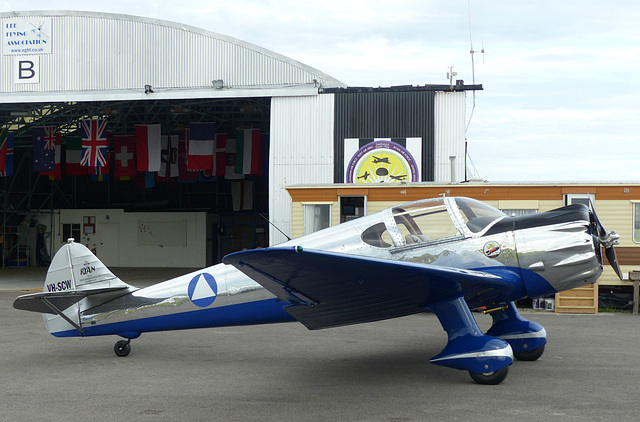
[370, 372]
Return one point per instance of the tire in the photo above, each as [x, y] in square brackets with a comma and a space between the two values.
[122, 348]
[490, 378]
[529, 355]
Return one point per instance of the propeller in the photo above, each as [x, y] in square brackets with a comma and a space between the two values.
[608, 239]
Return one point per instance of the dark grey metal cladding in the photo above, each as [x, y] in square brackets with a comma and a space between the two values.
[384, 114]
[576, 212]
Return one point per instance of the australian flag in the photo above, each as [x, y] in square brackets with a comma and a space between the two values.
[94, 142]
[44, 145]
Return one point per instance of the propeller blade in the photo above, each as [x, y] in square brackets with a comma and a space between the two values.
[613, 261]
[608, 240]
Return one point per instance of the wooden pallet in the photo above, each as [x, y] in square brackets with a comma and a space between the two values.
[582, 300]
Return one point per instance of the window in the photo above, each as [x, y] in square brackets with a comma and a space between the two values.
[519, 212]
[579, 198]
[351, 207]
[316, 217]
[70, 230]
[636, 222]
[377, 236]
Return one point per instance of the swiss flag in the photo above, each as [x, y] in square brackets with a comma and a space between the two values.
[124, 148]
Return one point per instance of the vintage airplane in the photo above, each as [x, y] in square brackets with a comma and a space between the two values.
[447, 255]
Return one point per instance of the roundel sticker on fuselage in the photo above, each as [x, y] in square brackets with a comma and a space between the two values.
[203, 290]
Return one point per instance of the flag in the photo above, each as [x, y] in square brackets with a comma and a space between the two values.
[146, 179]
[248, 151]
[169, 158]
[230, 171]
[56, 173]
[148, 146]
[200, 146]
[184, 175]
[242, 195]
[44, 142]
[6, 153]
[100, 174]
[220, 155]
[124, 148]
[94, 142]
[74, 156]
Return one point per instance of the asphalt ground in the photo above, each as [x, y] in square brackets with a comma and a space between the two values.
[371, 372]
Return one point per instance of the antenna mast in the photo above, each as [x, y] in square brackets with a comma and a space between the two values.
[473, 67]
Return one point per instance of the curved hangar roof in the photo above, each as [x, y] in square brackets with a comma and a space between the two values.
[84, 56]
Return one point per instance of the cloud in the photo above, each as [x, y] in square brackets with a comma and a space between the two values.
[560, 77]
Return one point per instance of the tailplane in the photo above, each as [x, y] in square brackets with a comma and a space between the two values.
[75, 274]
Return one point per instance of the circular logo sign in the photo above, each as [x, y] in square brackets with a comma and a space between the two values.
[492, 249]
[382, 162]
[203, 290]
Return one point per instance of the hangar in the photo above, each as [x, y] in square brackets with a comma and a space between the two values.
[61, 68]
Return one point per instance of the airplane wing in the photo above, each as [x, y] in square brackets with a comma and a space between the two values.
[328, 289]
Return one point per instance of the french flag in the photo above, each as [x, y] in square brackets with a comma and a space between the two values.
[200, 146]
[148, 147]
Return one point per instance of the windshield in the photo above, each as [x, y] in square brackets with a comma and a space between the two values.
[477, 215]
[431, 220]
[424, 221]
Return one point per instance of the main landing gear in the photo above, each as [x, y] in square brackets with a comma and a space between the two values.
[486, 356]
[527, 338]
[490, 378]
[122, 348]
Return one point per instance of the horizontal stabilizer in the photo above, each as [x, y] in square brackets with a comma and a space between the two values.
[46, 302]
[329, 289]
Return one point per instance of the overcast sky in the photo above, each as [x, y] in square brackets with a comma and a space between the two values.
[560, 77]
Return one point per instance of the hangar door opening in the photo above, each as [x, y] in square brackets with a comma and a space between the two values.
[46, 172]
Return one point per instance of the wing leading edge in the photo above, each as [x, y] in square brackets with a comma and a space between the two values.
[328, 289]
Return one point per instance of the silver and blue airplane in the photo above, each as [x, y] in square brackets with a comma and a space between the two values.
[447, 255]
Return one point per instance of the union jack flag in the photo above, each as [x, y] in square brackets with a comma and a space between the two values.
[50, 133]
[94, 142]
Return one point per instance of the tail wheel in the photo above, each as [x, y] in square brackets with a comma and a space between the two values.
[122, 348]
[490, 378]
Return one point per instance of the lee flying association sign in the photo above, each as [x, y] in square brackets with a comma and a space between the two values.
[382, 160]
[26, 39]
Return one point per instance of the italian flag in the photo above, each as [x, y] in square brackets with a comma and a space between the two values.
[248, 151]
[74, 156]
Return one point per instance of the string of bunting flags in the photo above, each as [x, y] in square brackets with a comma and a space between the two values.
[199, 155]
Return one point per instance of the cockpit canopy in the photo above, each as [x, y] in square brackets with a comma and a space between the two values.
[432, 220]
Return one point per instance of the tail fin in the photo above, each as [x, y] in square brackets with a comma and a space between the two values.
[74, 274]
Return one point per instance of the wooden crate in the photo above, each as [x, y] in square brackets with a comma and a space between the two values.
[582, 300]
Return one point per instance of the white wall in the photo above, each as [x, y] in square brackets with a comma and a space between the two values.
[138, 239]
[301, 152]
[449, 121]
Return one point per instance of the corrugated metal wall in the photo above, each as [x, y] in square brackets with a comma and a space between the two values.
[385, 114]
[301, 152]
[96, 51]
[449, 122]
